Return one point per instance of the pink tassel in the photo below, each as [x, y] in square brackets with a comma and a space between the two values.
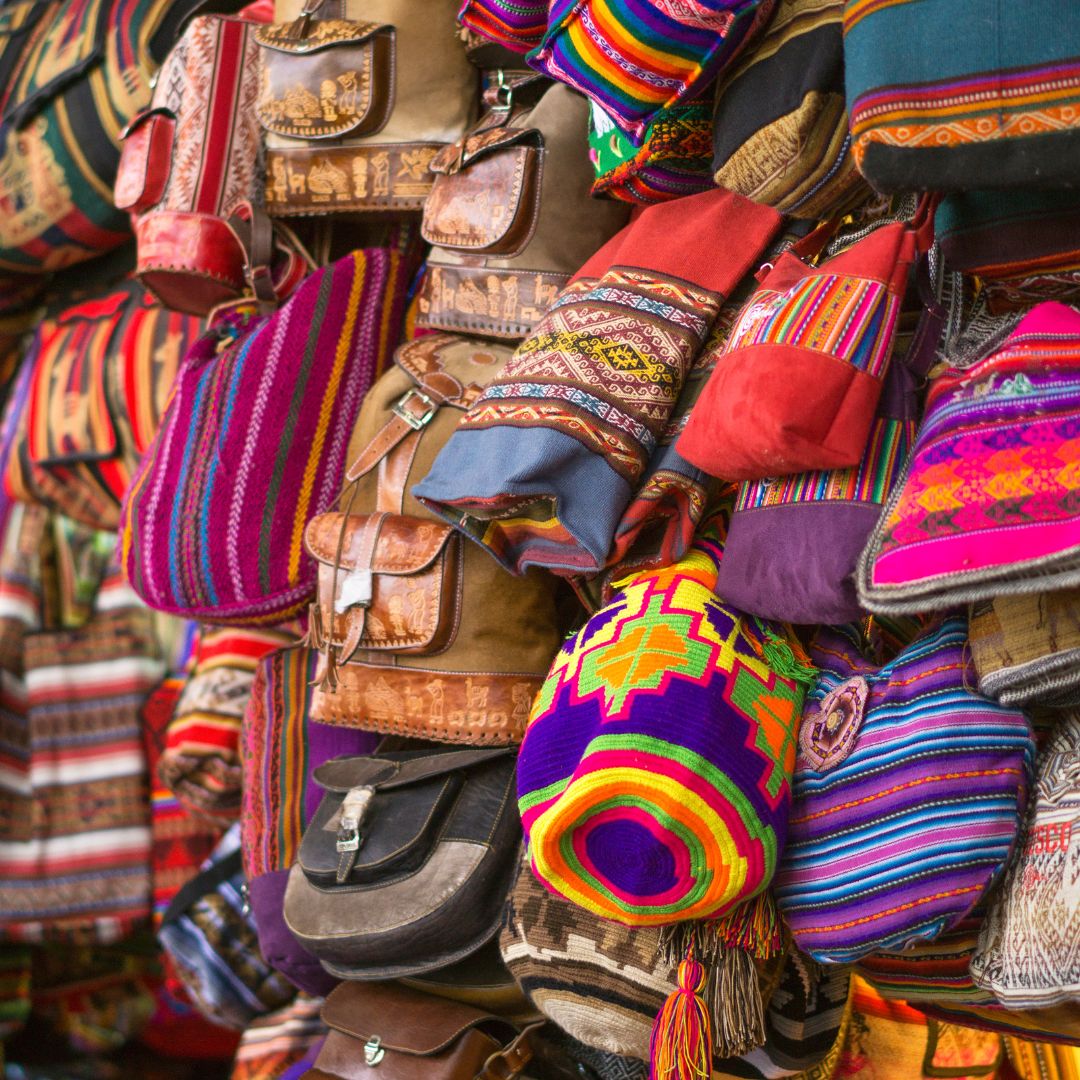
[681, 1046]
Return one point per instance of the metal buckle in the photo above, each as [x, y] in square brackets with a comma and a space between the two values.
[373, 1051]
[414, 421]
[504, 94]
[348, 837]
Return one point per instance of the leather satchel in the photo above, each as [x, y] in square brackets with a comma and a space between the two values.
[405, 866]
[355, 104]
[510, 212]
[421, 633]
[394, 1033]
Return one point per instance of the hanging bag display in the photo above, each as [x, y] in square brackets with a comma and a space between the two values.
[985, 507]
[192, 160]
[356, 99]
[421, 633]
[252, 445]
[798, 379]
[909, 788]
[510, 215]
[405, 866]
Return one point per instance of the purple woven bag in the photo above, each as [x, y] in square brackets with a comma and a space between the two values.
[908, 792]
[253, 442]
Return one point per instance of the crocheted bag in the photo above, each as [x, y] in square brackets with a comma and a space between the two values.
[1029, 950]
[252, 445]
[987, 504]
[908, 793]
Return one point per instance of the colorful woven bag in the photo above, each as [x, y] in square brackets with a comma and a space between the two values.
[1029, 949]
[977, 97]
[798, 380]
[987, 505]
[653, 781]
[794, 542]
[102, 372]
[635, 57]
[200, 763]
[908, 793]
[72, 74]
[517, 25]
[280, 748]
[543, 465]
[252, 445]
[781, 130]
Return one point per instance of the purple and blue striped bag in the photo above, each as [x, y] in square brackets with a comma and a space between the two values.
[908, 793]
[253, 442]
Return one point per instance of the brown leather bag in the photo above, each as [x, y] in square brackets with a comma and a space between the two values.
[510, 212]
[421, 632]
[383, 1031]
[357, 102]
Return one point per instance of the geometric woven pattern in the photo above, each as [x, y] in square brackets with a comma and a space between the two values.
[654, 780]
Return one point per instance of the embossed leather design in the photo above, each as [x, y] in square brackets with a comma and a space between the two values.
[145, 163]
[425, 885]
[333, 81]
[414, 568]
[489, 205]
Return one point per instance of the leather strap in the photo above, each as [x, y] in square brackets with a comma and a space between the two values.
[361, 559]
[343, 774]
[394, 474]
[512, 1060]
[254, 231]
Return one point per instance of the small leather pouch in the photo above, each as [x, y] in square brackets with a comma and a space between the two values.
[387, 582]
[486, 194]
[146, 162]
[326, 79]
[392, 1032]
[405, 866]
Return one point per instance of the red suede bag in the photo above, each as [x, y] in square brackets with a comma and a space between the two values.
[798, 379]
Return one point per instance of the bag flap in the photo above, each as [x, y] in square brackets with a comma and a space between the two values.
[405, 545]
[337, 80]
[145, 160]
[454, 158]
[409, 767]
[404, 1020]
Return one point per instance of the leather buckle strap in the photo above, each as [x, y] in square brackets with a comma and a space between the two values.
[405, 408]
[510, 1062]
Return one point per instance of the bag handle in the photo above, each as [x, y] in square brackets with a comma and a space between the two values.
[259, 238]
[512, 1059]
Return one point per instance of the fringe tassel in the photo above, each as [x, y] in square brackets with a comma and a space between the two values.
[786, 656]
[681, 1047]
[728, 947]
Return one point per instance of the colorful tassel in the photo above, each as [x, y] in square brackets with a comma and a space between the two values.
[785, 655]
[681, 1046]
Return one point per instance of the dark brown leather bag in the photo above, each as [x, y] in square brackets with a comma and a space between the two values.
[510, 212]
[407, 863]
[357, 98]
[421, 632]
[390, 1032]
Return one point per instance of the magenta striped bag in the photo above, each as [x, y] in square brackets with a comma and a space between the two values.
[518, 25]
[253, 442]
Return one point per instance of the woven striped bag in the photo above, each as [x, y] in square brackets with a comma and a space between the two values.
[252, 445]
[908, 792]
[517, 25]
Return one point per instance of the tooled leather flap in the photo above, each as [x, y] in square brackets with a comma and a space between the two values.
[404, 1020]
[410, 767]
[405, 545]
[145, 161]
[335, 80]
[453, 158]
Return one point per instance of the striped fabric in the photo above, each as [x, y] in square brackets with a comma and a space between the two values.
[252, 446]
[854, 319]
[516, 24]
[273, 1044]
[201, 761]
[636, 57]
[982, 94]
[871, 482]
[75, 858]
[1059, 1025]
[1042, 1062]
[907, 797]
